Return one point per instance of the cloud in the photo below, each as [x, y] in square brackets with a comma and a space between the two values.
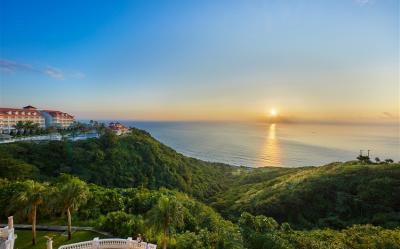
[54, 73]
[12, 66]
[364, 2]
[8, 66]
[78, 75]
[388, 115]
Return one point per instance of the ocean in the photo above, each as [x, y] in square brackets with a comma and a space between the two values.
[285, 145]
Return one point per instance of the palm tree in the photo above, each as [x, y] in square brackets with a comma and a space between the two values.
[71, 194]
[165, 216]
[62, 132]
[51, 129]
[101, 128]
[35, 128]
[32, 195]
[29, 126]
[19, 126]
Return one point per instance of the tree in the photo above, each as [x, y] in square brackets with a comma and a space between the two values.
[101, 128]
[377, 160]
[389, 160]
[262, 232]
[189, 240]
[19, 126]
[34, 128]
[62, 132]
[108, 139]
[15, 169]
[32, 195]
[51, 129]
[364, 159]
[166, 216]
[29, 126]
[71, 194]
[122, 224]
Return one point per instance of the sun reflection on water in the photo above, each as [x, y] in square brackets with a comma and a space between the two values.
[271, 151]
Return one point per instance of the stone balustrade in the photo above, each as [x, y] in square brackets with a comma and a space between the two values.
[97, 243]
[7, 236]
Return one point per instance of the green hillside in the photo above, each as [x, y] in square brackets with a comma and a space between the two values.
[135, 160]
[336, 195]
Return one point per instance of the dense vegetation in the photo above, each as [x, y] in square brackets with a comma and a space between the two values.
[127, 212]
[336, 195]
[136, 160]
[263, 232]
[132, 211]
[135, 185]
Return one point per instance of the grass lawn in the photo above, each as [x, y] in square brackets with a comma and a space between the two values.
[24, 239]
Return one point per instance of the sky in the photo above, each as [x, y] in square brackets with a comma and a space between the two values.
[323, 61]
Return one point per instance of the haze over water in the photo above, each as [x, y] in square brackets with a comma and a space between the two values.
[288, 145]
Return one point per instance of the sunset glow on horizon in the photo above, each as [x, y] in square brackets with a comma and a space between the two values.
[273, 112]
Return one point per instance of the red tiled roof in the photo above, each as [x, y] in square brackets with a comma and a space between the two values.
[12, 112]
[116, 126]
[29, 107]
[29, 111]
[58, 114]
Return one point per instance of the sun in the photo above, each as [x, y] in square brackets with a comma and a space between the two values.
[273, 112]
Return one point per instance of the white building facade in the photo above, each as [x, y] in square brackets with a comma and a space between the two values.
[9, 117]
[57, 119]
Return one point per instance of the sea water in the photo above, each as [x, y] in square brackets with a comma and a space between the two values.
[286, 145]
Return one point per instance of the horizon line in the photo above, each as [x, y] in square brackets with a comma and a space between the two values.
[310, 122]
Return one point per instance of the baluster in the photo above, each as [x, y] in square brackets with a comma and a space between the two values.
[10, 222]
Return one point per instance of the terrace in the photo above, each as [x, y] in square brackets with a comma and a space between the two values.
[7, 239]
[97, 243]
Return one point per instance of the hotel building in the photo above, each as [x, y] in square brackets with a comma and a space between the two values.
[118, 128]
[9, 117]
[57, 119]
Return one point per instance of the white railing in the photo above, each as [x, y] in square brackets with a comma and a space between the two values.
[7, 234]
[97, 243]
[4, 232]
[57, 137]
[80, 245]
